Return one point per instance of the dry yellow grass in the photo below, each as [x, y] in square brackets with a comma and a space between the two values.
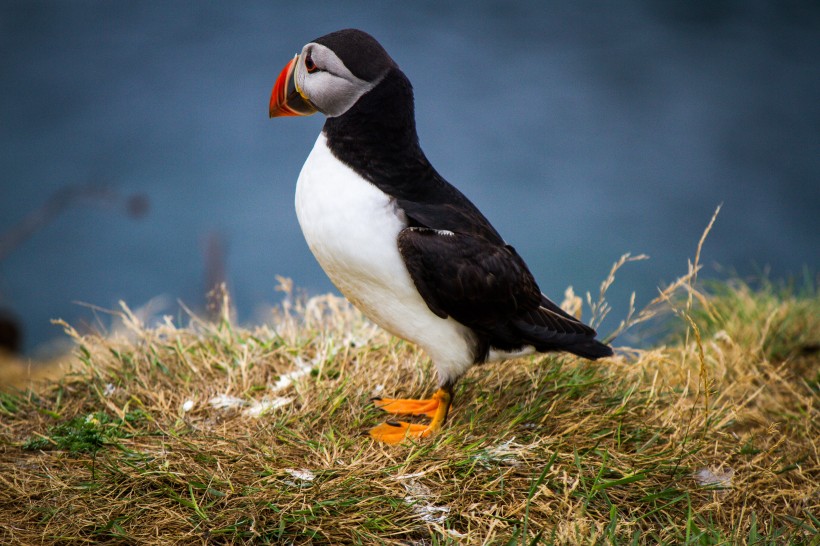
[21, 373]
[210, 433]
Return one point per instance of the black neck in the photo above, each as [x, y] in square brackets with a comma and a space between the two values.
[377, 138]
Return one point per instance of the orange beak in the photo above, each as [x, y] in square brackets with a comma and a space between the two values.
[286, 100]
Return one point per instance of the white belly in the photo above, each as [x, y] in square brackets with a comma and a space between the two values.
[351, 227]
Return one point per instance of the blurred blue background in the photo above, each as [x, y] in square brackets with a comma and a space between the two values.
[583, 130]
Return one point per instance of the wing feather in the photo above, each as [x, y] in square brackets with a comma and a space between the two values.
[477, 282]
[488, 287]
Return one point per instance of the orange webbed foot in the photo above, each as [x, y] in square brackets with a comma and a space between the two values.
[408, 406]
[436, 408]
[393, 432]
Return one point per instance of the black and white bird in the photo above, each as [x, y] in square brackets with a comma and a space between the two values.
[402, 244]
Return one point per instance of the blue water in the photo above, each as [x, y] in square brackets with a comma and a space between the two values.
[583, 130]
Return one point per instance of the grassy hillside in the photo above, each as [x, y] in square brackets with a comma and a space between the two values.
[216, 434]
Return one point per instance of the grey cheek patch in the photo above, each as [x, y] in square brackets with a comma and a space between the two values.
[333, 89]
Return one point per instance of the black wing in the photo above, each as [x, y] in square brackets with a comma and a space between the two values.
[486, 285]
[468, 278]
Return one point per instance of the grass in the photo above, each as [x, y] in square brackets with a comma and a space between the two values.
[211, 433]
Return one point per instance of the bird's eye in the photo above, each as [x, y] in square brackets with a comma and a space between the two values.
[309, 64]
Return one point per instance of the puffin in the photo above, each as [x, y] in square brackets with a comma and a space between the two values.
[402, 244]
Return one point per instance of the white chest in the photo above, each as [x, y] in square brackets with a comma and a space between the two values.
[352, 227]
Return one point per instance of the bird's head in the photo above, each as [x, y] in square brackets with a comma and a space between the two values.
[330, 75]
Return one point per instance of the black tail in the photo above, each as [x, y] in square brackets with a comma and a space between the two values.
[550, 328]
[591, 349]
